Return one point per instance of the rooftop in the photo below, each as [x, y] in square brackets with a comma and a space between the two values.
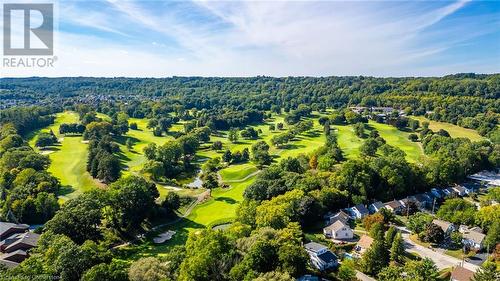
[365, 242]
[337, 225]
[443, 224]
[314, 247]
[461, 274]
[475, 236]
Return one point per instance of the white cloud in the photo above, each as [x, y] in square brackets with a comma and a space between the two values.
[264, 38]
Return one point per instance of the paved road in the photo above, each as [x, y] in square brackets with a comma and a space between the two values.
[363, 277]
[442, 261]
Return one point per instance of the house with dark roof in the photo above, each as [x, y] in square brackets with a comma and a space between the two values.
[15, 243]
[359, 211]
[7, 229]
[375, 207]
[421, 200]
[447, 227]
[340, 215]
[338, 230]
[19, 241]
[394, 206]
[16, 256]
[437, 193]
[320, 256]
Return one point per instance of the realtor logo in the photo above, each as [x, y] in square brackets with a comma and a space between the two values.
[31, 30]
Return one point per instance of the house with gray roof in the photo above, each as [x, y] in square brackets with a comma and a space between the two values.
[7, 229]
[320, 256]
[375, 207]
[359, 211]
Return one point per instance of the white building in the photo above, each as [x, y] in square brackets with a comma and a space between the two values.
[321, 257]
[338, 230]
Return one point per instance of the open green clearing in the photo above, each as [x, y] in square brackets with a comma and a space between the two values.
[399, 139]
[68, 158]
[454, 130]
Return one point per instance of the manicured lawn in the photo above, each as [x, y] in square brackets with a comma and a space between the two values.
[454, 130]
[399, 139]
[134, 159]
[68, 159]
[237, 172]
[348, 141]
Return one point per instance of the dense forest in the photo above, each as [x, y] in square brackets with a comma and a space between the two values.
[82, 237]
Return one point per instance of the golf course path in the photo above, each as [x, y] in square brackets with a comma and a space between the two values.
[238, 180]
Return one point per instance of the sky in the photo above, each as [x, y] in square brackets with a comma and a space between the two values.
[273, 38]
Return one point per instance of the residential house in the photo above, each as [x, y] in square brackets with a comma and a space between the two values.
[437, 193]
[470, 187]
[364, 243]
[359, 211]
[394, 206]
[421, 200]
[375, 207]
[491, 178]
[452, 192]
[461, 274]
[15, 243]
[473, 239]
[7, 229]
[321, 257]
[404, 202]
[338, 230]
[341, 215]
[460, 190]
[447, 192]
[447, 227]
[19, 241]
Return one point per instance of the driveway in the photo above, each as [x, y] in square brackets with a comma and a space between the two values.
[442, 261]
[363, 277]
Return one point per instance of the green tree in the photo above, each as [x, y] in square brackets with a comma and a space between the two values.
[132, 199]
[397, 249]
[148, 269]
[487, 272]
[209, 255]
[434, 234]
[347, 271]
[80, 218]
[108, 272]
[424, 270]
[458, 211]
[260, 153]
[172, 201]
[390, 234]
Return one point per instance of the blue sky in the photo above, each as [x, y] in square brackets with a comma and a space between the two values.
[276, 38]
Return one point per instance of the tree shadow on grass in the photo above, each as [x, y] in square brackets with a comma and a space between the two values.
[228, 200]
[65, 190]
[123, 140]
[312, 134]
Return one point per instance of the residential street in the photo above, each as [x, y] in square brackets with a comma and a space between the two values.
[441, 260]
[363, 277]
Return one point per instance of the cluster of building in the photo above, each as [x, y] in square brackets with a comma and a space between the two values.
[472, 237]
[15, 243]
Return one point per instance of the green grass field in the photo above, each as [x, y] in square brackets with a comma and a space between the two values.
[399, 139]
[454, 130]
[68, 158]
